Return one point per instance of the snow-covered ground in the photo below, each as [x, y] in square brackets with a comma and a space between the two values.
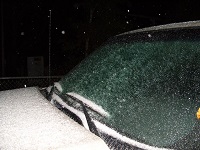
[29, 121]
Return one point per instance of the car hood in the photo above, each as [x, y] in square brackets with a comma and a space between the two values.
[29, 121]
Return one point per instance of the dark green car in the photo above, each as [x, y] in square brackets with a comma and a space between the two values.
[139, 90]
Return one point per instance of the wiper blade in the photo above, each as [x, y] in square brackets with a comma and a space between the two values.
[89, 104]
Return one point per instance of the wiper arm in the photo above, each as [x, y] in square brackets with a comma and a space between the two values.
[89, 104]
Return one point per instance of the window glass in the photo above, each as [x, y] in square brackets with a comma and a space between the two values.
[150, 87]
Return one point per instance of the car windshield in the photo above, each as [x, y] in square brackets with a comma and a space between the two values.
[148, 82]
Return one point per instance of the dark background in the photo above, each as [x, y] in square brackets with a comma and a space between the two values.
[64, 32]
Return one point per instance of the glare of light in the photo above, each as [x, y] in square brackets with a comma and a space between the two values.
[63, 32]
[128, 10]
[159, 14]
[56, 28]
[127, 22]
[84, 32]
[22, 33]
[25, 85]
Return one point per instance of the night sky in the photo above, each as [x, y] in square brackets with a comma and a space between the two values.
[71, 30]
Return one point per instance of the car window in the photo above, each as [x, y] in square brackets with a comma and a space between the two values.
[148, 82]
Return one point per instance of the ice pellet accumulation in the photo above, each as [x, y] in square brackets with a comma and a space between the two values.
[29, 121]
[149, 89]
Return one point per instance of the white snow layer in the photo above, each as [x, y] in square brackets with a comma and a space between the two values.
[77, 112]
[91, 104]
[125, 139]
[58, 86]
[101, 126]
[29, 121]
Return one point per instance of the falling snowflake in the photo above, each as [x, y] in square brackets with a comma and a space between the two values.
[149, 35]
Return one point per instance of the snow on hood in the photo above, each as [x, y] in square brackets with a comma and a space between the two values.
[29, 121]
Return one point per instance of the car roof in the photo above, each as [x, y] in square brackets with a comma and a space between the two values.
[166, 26]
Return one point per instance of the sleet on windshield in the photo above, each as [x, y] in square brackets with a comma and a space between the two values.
[149, 86]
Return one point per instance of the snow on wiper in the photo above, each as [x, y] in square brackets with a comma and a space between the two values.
[89, 104]
[113, 138]
[78, 113]
[90, 114]
[85, 101]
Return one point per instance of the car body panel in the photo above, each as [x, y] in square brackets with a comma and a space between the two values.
[29, 121]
